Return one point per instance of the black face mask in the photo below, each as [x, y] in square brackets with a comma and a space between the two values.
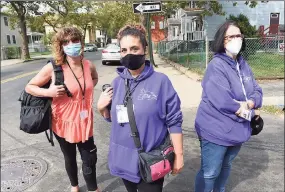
[133, 62]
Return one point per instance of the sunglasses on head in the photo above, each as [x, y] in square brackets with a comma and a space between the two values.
[234, 36]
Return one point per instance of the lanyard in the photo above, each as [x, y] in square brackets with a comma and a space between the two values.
[82, 90]
[128, 91]
[242, 85]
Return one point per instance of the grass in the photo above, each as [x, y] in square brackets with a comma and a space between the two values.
[194, 62]
[273, 109]
[263, 65]
[40, 53]
[267, 65]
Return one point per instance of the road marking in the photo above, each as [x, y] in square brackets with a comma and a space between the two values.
[19, 76]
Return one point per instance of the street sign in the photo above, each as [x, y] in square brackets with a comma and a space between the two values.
[147, 7]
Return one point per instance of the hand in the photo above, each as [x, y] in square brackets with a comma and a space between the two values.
[243, 106]
[105, 98]
[257, 112]
[178, 164]
[56, 90]
[250, 104]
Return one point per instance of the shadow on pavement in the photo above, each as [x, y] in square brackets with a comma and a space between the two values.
[249, 164]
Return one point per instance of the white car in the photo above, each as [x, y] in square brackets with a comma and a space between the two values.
[90, 47]
[111, 53]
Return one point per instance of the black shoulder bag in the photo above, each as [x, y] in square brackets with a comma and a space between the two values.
[35, 114]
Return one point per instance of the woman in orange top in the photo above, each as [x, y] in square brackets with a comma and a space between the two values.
[72, 117]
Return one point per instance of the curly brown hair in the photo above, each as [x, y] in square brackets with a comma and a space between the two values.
[63, 35]
[135, 30]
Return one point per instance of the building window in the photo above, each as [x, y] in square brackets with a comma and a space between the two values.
[161, 25]
[8, 39]
[188, 26]
[152, 25]
[6, 21]
[14, 39]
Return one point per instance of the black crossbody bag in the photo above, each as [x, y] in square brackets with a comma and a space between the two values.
[158, 162]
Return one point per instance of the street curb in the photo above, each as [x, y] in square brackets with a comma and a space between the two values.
[24, 61]
[34, 59]
[194, 76]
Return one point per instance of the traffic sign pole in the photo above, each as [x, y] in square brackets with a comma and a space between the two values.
[147, 8]
[149, 40]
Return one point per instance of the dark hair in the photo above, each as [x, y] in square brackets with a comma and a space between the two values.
[133, 30]
[218, 44]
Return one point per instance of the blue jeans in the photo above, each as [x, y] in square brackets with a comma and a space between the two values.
[216, 162]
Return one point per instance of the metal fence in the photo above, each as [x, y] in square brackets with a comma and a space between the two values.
[264, 55]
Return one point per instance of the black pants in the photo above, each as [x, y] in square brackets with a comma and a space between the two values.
[88, 152]
[143, 186]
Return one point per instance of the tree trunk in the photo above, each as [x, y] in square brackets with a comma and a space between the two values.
[23, 31]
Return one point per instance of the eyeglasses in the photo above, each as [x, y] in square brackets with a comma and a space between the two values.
[230, 37]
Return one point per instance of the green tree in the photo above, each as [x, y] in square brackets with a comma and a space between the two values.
[111, 16]
[18, 12]
[244, 24]
[83, 15]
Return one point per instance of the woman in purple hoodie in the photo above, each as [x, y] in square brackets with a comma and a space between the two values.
[156, 109]
[230, 98]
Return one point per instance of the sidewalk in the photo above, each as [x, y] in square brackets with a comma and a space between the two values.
[17, 61]
[188, 84]
[189, 90]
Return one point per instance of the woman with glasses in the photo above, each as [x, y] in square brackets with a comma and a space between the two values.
[230, 98]
[72, 117]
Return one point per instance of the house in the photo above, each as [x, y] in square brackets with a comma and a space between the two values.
[35, 41]
[9, 37]
[158, 28]
[188, 24]
[100, 38]
[92, 35]
[268, 15]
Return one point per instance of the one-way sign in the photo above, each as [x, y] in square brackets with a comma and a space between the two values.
[147, 7]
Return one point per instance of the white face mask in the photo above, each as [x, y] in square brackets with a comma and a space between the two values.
[234, 46]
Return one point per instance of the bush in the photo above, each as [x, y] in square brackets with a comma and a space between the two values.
[13, 52]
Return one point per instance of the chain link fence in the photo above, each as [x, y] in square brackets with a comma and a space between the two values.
[264, 55]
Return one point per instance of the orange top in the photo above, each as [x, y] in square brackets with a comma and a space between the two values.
[66, 120]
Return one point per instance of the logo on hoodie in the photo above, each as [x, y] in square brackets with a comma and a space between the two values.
[246, 78]
[146, 95]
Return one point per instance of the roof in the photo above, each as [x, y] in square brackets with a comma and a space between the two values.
[35, 33]
[193, 11]
[173, 21]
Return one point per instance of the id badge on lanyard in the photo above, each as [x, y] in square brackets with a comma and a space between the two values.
[83, 113]
[122, 114]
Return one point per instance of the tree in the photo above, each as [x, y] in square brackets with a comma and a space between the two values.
[18, 11]
[244, 24]
[110, 20]
[83, 15]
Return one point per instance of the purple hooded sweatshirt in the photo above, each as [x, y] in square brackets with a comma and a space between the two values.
[156, 108]
[216, 120]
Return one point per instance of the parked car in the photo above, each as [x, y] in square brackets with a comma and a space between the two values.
[111, 53]
[90, 47]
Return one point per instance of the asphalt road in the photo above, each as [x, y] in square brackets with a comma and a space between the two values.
[258, 168]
